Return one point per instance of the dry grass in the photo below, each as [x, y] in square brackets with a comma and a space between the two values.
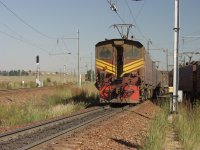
[64, 102]
[187, 123]
[14, 82]
[157, 131]
[61, 109]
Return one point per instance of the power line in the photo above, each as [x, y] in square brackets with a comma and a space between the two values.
[120, 17]
[134, 20]
[24, 41]
[114, 8]
[24, 22]
[9, 28]
[141, 8]
[20, 37]
[64, 43]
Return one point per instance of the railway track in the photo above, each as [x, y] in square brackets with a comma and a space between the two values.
[35, 135]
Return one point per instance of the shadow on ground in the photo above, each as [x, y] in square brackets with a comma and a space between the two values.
[127, 144]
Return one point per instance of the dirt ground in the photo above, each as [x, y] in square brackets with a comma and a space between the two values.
[21, 96]
[124, 131]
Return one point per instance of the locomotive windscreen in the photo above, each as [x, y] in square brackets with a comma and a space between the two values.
[105, 52]
[132, 52]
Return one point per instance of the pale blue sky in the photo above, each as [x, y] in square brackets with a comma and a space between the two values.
[154, 19]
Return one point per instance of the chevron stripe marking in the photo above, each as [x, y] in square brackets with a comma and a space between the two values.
[133, 66]
[107, 67]
[103, 62]
[133, 69]
[134, 62]
[99, 67]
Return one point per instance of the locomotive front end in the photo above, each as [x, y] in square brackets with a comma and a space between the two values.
[119, 64]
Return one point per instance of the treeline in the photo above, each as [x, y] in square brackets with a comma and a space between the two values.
[15, 73]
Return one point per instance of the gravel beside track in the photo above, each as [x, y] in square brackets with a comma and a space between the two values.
[126, 130]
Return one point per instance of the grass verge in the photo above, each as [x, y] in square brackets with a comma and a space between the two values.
[157, 131]
[64, 102]
[187, 124]
[12, 115]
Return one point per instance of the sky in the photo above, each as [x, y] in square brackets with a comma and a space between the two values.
[48, 28]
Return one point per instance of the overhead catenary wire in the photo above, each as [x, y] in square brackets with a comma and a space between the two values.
[141, 8]
[24, 22]
[9, 28]
[24, 41]
[134, 20]
[64, 43]
[20, 37]
[120, 17]
[114, 8]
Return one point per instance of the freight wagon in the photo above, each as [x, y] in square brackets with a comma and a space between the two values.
[189, 80]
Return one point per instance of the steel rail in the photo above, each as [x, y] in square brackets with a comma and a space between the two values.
[32, 128]
[37, 144]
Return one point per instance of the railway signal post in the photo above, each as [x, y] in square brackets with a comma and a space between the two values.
[37, 81]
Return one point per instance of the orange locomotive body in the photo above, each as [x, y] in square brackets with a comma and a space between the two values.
[125, 73]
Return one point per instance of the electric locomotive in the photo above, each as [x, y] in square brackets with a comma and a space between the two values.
[125, 72]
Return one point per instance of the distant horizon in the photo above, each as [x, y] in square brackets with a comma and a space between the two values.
[41, 71]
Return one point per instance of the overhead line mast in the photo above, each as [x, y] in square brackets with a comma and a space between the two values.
[176, 48]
